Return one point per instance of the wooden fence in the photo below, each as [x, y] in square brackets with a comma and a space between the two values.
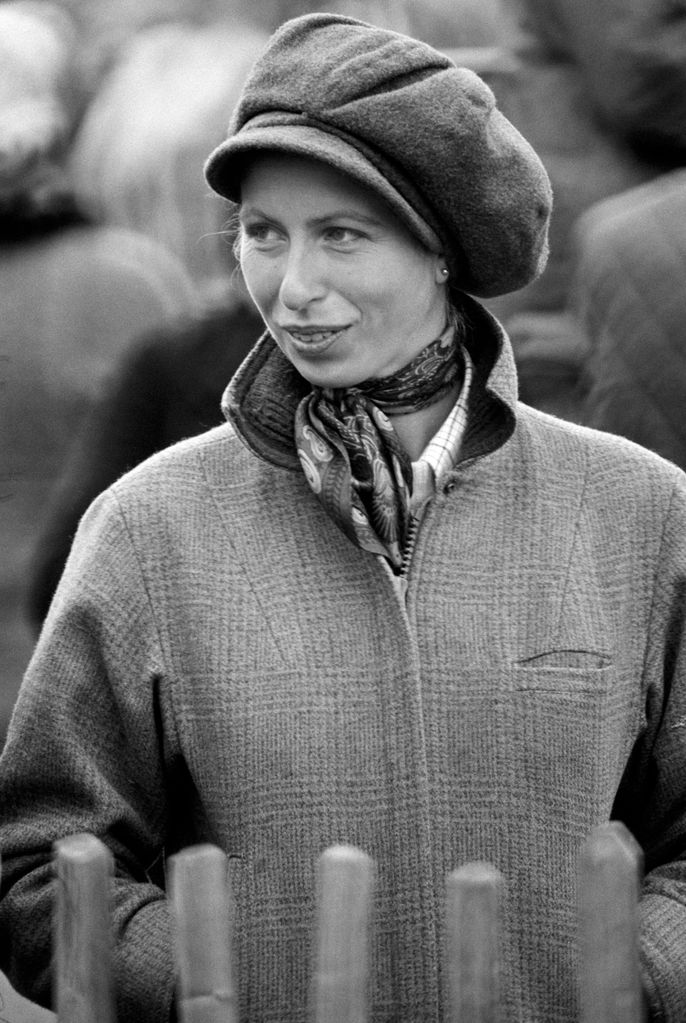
[609, 983]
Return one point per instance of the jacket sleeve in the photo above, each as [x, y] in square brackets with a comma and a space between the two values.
[652, 797]
[89, 748]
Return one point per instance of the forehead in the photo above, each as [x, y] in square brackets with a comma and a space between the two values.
[288, 183]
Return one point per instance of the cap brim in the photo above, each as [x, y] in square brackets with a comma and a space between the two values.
[225, 167]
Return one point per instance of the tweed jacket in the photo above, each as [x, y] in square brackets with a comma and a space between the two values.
[221, 664]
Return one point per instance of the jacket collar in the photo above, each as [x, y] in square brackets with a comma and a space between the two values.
[262, 397]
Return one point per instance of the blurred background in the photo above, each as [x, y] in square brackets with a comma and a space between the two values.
[121, 318]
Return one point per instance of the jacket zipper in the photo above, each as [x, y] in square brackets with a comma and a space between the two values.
[411, 543]
[408, 551]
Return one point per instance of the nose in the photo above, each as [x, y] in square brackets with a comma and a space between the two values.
[302, 281]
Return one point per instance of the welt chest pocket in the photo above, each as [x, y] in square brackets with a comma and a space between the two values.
[565, 671]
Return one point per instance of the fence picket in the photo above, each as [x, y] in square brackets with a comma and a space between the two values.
[344, 888]
[202, 910]
[610, 867]
[83, 931]
[610, 989]
[472, 943]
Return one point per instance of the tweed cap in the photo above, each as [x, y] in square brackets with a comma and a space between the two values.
[403, 120]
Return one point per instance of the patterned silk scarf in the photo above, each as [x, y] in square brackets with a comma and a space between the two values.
[351, 454]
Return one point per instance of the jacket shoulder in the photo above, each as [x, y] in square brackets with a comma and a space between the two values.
[602, 458]
[186, 460]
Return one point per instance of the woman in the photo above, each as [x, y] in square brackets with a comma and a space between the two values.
[387, 604]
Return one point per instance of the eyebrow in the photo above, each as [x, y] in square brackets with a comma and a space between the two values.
[342, 213]
[346, 214]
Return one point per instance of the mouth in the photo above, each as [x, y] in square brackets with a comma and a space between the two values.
[314, 339]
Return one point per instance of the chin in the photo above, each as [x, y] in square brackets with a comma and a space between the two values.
[331, 375]
[330, 380]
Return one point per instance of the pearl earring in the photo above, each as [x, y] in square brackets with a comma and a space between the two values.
[444, 271]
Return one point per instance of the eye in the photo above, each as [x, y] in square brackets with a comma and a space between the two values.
[342, 237]
[261, 233]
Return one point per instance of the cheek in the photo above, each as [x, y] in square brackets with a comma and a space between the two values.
[383, 301]
[367, 288]
[260, 280]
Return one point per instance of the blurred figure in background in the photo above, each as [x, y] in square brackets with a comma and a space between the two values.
[629, 293]
[156, 113]
[631, 56]
[630, 299]
[38, 96]
[73, 295]
[548, 98]
[601, 93]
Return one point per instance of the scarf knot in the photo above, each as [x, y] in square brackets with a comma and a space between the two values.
[351, 455]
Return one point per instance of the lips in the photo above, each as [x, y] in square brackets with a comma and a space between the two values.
[314, 339]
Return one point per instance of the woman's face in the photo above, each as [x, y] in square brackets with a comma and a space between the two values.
[344, 288]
